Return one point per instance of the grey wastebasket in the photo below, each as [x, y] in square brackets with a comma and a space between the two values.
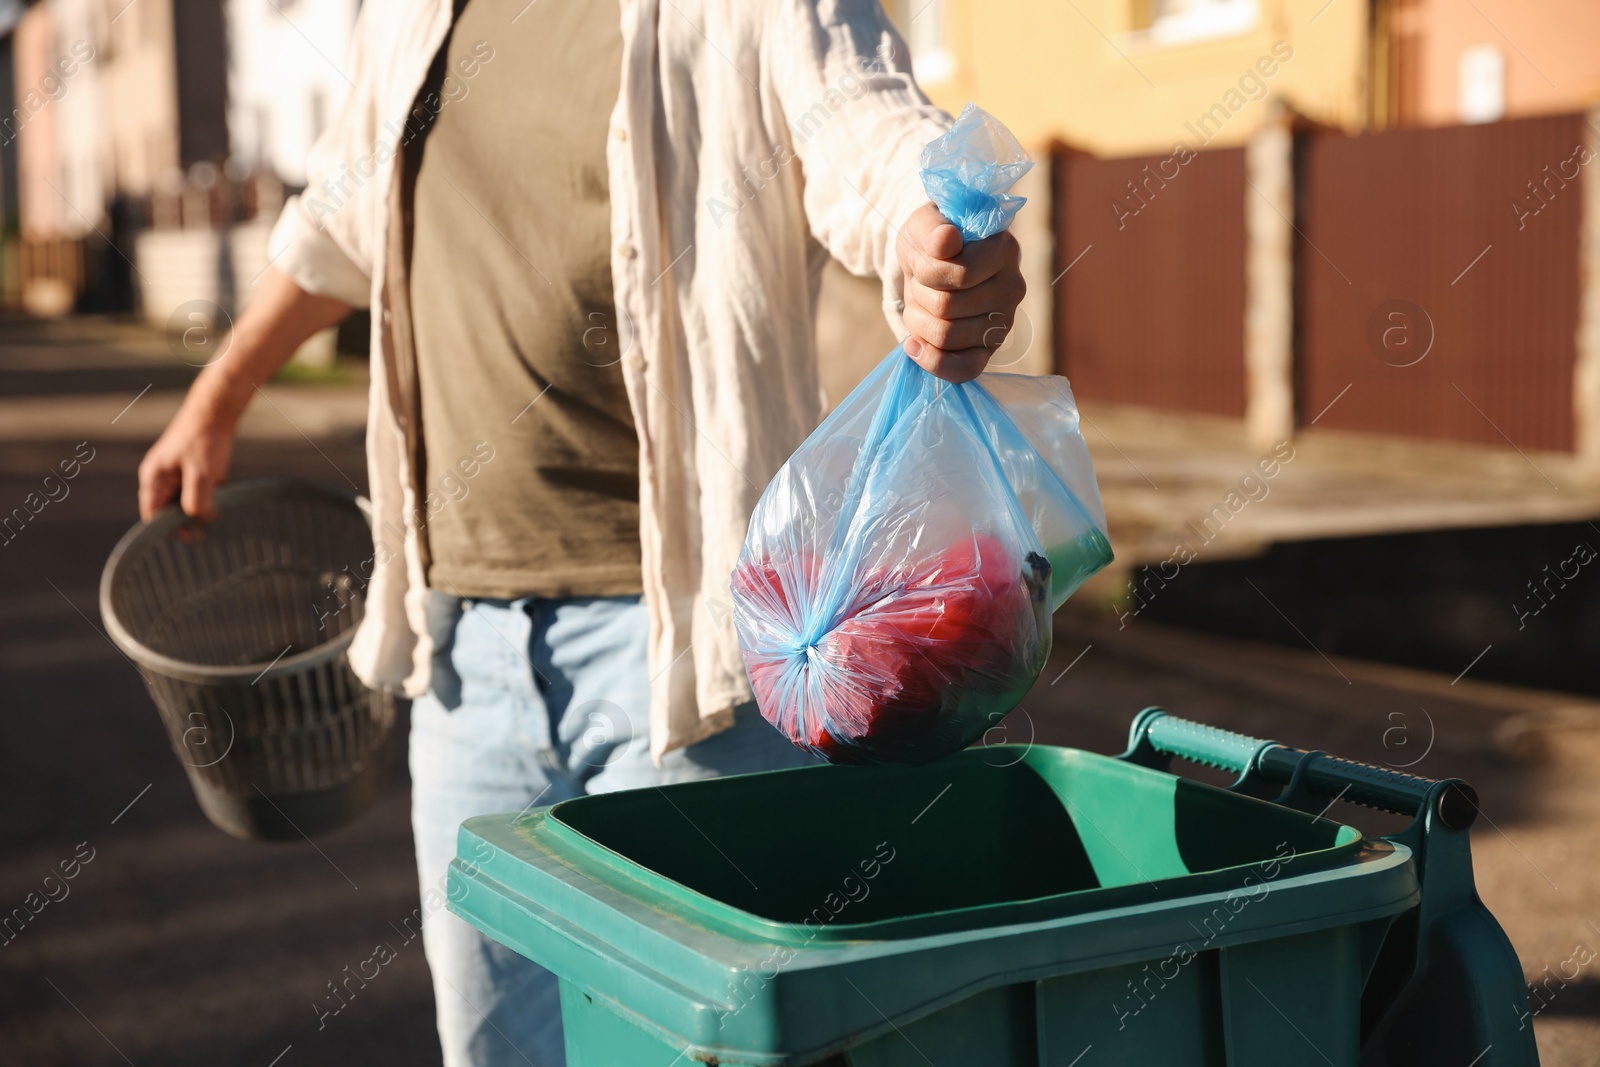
[241, 628]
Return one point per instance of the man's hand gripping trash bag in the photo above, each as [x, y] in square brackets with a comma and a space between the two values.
[894, 593]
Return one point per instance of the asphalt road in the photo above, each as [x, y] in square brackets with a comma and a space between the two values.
[177, 945]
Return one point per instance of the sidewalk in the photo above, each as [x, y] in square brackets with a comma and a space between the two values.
[109, 380]
[1166, 481]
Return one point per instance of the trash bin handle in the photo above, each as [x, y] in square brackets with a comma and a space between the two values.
[1454, 801]
[1195, 741]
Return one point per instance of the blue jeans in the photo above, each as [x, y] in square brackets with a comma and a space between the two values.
[533, 701]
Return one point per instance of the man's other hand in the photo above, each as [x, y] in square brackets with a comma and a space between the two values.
[191, 457]
[961, 299]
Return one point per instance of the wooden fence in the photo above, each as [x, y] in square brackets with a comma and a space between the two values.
[1150, 279]
[1436, 279]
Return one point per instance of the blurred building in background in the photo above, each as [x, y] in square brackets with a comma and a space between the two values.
[1370, 214]
[151, 142]
[1125, 77]
[286, 79]
[1445, 61]
[60, 156]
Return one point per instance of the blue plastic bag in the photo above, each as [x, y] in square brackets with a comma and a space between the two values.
[894, 593]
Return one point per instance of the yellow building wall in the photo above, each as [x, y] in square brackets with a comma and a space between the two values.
[1078, 71]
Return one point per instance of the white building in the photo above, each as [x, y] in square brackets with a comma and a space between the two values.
[286, 77]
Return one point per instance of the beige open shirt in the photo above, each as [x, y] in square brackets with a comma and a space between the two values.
[750, 140]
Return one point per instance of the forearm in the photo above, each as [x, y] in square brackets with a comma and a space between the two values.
[280, 318]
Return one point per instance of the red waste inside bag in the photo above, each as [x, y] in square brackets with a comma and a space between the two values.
[919, 649]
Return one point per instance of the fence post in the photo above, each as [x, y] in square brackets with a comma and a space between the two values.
[1586, 370]
[1269, 280]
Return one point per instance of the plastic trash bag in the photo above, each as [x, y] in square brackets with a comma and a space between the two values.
[893, 596]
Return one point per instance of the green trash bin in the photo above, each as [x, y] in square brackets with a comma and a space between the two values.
[1008, 906]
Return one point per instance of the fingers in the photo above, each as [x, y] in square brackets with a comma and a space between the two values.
[928, 234]
[198, 487]
[987, 331]
[976, 318]
[975, 263]
[958, 366]
[162, 479]
[997, 293]
[960, 298]
[158, 484]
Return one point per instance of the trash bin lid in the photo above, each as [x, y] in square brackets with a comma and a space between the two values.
[727, 914]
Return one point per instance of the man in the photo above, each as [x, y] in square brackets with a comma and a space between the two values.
[591, 238]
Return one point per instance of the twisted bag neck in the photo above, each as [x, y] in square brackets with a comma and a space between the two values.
[969, 171]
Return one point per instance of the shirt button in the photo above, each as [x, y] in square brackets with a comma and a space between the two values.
[633, 361]
[619, 132]
[626, 250]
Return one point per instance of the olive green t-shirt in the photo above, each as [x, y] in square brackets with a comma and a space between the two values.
[515, 333]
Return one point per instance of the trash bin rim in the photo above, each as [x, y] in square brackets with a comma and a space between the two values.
[588, 855]
[171, 518]
[509, 833]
